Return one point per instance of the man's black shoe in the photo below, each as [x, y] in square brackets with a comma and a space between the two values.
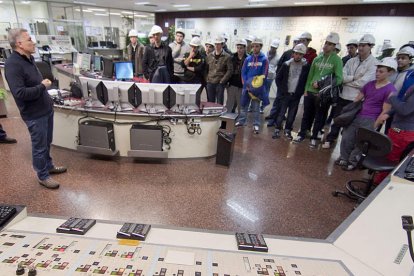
[8, 140]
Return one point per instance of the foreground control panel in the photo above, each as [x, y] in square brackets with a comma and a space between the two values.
[77, 255]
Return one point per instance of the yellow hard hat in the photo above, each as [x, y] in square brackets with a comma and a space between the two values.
[258, 81]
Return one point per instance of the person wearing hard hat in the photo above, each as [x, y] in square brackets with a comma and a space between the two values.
[209, 47]
[151, 39]
[135, 52]
[328, 63]
[194, 63]
[234, 91]
[273, 58]
[179, 48]
[225, 48]
[254, 73]
[401, 115]
[305, 38]
[219, 70]
[352, 48]
[375, 95]
[196, 33]
[358, 71]
[290, 82]
[404, 77]
[249, 40]
[387, 50]
[338, 48]
[157, 61]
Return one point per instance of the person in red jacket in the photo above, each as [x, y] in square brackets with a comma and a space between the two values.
[311, 54]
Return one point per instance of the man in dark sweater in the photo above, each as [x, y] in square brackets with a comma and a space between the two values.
[29, 90]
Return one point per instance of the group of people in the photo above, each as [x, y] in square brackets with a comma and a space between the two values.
[384, 85]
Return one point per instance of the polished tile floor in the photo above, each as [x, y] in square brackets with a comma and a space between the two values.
[272, 187]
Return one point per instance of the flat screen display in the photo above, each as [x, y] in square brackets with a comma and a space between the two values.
[97, 63]
[124, 71]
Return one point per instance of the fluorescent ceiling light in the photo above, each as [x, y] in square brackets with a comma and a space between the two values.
[84, 3]
[373, 1]
[309, 3]
[254, 1]
[161, 10]
[141, 3]
[115, 13]
[256, 5]
[94, 9]
[101, 14]
[1, 2]
[184, 9]
[181, 5]
[87, 11]
[141, 15]
[216, 7]
[127, 12]
[25, 2]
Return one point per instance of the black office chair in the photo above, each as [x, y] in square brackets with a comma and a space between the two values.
[375, 146]
[46, 72]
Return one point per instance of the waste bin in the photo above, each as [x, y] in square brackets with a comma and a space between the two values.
[225, 146]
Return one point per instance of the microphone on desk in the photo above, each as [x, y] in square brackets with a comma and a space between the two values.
[408, 226]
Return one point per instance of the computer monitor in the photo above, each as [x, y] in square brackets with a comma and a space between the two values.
[86, 62]
[94, 44]
[102, 43]
[79, 59]
[129, 95]
[109, 44]
[84, 86]
[123, 70]
[185, 98]
[97, 63]
[155, 97]
[94, 91]
[108, 67]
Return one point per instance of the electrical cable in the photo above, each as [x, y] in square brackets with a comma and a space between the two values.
[408, 226]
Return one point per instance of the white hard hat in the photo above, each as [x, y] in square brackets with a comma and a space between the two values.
[133, 33]
[250, 38]
[241, 42]
[155, 30]
[406, 51]
[296, 38]
[196, 32]
[352, 42]
[389, 62]
[195, 41]
[333, 38]
[180, 30]
[219, 39]
[275, 43]
[367, 39]
[300, 48]
[306, 35]
[257, 41]
[338, 46]
[387, 46]
[225, 36]
[209, 42]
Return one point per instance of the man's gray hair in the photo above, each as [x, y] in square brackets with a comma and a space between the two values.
[14, 35]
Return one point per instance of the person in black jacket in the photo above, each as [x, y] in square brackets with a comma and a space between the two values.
[29, 90]
[290, 82]
[194, 63]
[157, 62]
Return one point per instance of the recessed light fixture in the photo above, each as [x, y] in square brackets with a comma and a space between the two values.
[215, 7]
[374, 1]
[161, 10]
[84, 3]
[115, 13]
[87, 11]
[1, 2]
[94, 9]
[25, 2]
[127, 12]
[184, 9]
[142, 3]
[181, 5]
[101, 14]
[141, 15]
[309, 3]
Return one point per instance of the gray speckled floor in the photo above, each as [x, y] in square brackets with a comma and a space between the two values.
[272, 186]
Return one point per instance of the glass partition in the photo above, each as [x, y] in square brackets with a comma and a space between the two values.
[34, 16]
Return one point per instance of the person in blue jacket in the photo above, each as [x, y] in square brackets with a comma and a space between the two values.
[254, 74]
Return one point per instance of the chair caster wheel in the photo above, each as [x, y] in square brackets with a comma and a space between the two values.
[335, 193]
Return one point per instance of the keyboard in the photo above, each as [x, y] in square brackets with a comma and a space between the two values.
[6, 213]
